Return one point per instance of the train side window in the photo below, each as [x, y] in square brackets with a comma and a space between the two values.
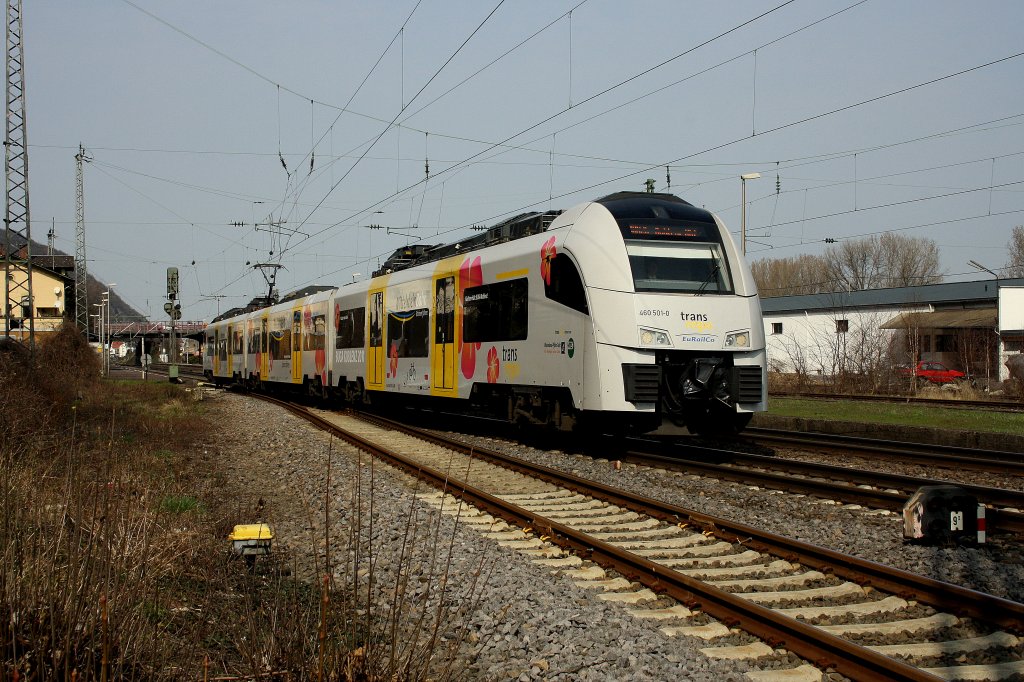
[377, 319]
[351, 328]
[280, 338]
[280, 344]
[496, 312]
[408, 333]
[211, 342]
[566, 286]
[444, 312]
[318, 339]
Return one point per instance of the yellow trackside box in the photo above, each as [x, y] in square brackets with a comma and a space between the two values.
[251, 538]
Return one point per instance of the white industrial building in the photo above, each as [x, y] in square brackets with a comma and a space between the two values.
[973, 326]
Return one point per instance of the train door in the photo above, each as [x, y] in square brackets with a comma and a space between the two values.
[297, 345]
[264, 358]
[215, 352]
[376, 357]
[443, 350]
[249, 342]
[230, 365]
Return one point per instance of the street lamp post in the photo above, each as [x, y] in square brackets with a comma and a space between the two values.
[109, 337]
[97, 323]
[976, 264]
[100, 335]
[743, 212]
[988, 353]
[106, 333]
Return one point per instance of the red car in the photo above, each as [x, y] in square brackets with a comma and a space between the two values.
[934, 372]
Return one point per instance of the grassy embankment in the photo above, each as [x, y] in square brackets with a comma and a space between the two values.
[900, 414]
[115, 560]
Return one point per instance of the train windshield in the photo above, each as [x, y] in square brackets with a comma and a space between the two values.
[690, 267]
[673, 246]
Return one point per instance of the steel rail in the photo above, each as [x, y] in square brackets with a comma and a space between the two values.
[950, 455]
[953, 598]
[996, 496]
[848, 492]
[825, 650]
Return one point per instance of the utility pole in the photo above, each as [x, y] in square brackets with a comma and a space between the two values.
[17, 225]
[81, 273]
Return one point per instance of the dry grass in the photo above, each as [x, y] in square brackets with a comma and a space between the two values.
[115, 564]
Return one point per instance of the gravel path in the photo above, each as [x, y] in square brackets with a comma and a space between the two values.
[519, 621]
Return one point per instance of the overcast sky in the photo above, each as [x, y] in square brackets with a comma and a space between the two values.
[188, 108]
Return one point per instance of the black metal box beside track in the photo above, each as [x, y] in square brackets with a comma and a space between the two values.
[941, 514]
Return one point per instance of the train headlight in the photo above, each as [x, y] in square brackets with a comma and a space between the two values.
[738, 339]
[654, 337]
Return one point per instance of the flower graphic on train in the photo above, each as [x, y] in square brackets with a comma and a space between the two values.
[547, 254]
[493, 366]
[393, 369]
[470, 275]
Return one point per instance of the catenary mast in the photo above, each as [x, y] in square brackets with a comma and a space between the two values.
[81, 272]
[17, 232]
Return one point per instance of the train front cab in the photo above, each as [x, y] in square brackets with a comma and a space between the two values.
[677, 322]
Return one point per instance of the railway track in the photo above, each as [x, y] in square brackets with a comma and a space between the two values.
[679, 567]
[192, 372]
[935, 455]
[1001, 405]
[874, 489]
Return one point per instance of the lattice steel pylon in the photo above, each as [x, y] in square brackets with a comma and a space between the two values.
[81, 273]
[17, 225]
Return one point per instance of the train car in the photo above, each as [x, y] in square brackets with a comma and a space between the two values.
[617, 315]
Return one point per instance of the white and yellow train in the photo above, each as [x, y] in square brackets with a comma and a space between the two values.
[616, 315]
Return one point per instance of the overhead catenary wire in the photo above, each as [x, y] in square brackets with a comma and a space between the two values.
[588, 99]
[551, 163]
[716, 147]
[795, 161]
[335, 185]
[399, 190]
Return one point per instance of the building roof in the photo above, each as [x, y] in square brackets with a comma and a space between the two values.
[971, 294]
[63, 276]
[55, 263]
[971, 318]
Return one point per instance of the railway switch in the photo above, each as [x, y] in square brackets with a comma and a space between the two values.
[943, 514]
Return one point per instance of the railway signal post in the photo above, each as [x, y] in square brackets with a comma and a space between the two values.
[173, 309]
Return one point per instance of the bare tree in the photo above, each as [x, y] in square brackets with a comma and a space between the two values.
[877, 262]
[803, 274]
[1015, 266]
[975, 350]
[910, 261]
[869, 352]
[888, 260]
